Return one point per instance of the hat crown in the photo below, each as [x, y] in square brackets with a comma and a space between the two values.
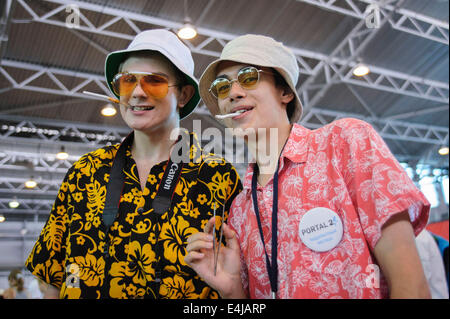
[263, 51]
[167, 43]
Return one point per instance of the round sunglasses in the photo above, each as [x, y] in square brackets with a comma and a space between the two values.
[247, 77]
[154, 85]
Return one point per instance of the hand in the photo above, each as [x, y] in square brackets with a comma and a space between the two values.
[200, 257]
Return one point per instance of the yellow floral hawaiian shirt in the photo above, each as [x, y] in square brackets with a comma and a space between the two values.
[73, 255]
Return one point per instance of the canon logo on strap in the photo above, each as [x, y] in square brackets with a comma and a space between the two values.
[170, 176]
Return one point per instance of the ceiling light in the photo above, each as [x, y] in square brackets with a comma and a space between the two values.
[2, 218]
[14, 203]
[31, 183]
[62, 154]
[361, 70]
[187, 32]
[108, 110]
[444, 150]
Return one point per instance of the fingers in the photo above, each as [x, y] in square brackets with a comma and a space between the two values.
[199, 244]
[200, 236]
[230, 237]
[204, 240]
[199, 241]
[192, 257]
[210, 225]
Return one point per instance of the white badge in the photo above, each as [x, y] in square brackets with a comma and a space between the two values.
[321, 229]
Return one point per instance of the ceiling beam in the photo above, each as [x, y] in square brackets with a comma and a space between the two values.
[403, 20]
[391, 129]
[310, 62]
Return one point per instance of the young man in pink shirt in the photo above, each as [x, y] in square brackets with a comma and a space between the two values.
[329, 213]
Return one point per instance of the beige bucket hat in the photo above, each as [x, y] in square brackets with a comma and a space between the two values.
[167, 44]
[254, 50]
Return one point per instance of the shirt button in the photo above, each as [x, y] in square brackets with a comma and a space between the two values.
[140, 210]
[106, 250]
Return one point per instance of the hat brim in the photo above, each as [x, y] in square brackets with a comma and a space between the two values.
[113, 61]
[209, 75]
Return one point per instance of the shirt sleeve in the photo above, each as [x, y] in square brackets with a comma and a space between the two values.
[46, 260]
[378, 185]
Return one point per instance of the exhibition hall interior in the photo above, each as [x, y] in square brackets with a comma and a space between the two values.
[384, 62]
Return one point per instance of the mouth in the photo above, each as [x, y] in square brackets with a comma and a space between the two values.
[235, 113]
[141, 107]
[240, 112]
[242, 109]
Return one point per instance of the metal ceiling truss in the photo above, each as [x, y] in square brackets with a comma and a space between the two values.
[384, 80]
[402, 19]
[15, 185]
[335, 68]
[29, 148]
[390, 129]
[51, 132]
[16, 161]
[27, 206]
[88, 137]
[54, 86]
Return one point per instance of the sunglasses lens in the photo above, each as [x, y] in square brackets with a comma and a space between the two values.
[155, 85]
[248, 77]
[124, 84]
[221, 87]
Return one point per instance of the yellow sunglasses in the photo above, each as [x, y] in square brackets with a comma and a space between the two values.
[154, 85]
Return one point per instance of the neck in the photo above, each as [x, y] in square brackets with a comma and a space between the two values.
[267, 147]
[154, 146]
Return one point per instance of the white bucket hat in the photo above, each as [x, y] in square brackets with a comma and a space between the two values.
[167, 44]
[255, 50]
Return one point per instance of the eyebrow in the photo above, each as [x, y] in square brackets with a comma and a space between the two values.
[223, 76]
[140, 72]
[228, 78]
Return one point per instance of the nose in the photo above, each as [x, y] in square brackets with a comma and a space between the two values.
[236, 91]
[138, 92]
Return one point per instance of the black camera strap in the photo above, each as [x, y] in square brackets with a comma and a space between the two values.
[161, 203]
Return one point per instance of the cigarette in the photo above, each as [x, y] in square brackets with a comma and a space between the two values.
[224, 116]
[105, 97]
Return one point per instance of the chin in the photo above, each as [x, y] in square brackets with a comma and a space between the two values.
[244, 130]
[153, 126]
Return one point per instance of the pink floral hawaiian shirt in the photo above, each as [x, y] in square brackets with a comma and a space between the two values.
[344, 166]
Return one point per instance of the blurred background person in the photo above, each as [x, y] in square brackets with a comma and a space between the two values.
[433, 265]
[16, 288]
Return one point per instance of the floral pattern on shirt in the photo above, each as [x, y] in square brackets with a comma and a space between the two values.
[346, 167]
[74, 255]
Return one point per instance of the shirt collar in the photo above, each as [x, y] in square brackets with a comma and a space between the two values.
[295, 150]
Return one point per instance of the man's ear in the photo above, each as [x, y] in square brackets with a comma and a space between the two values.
[287, 96]
[187, 91]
